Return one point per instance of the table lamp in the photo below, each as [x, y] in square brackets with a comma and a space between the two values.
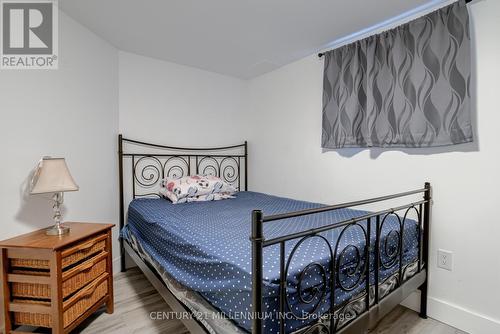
[52, 176]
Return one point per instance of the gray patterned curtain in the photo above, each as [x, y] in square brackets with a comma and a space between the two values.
[407, 87]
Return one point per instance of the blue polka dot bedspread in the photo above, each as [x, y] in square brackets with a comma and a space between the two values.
[205, 246]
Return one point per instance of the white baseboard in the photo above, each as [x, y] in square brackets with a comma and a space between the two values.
[454, 315]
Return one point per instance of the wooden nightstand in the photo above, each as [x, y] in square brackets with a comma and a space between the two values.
[56, 281]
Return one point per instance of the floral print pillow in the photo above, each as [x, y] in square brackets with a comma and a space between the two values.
[196, 188]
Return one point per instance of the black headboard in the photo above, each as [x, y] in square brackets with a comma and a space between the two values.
[142, 166]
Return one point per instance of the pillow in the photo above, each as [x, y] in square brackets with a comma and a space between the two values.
[202, 198]
[196, 188]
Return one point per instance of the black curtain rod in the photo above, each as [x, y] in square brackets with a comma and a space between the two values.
[321, 54]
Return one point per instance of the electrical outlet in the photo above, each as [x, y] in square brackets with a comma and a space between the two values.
[445, 259]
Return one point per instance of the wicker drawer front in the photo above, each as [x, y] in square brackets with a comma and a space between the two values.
[83, 250]
[70, 256]
[32, 319]
[83, 274]
[29, 263]
[84, 300]
[29, 290]
[73, 279]
[73, 307]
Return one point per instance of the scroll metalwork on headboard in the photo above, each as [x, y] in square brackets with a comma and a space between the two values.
[143, 166]
[151, 163]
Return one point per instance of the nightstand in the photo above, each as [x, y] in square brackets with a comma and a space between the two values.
[56, 281]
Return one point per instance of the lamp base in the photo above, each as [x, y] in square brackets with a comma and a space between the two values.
[57, 230]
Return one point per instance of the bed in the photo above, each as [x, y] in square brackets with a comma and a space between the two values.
[265, 264]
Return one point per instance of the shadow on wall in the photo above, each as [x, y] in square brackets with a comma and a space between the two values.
[375, 152]
[35, 211]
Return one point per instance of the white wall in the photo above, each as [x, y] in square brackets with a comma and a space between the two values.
[286, 106]
[71, 112]
[178, 105]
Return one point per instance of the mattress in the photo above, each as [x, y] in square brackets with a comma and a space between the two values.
[205, 247]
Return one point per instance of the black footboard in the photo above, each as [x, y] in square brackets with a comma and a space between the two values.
[378, 297]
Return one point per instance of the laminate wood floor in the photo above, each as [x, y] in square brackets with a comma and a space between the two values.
[135, 298]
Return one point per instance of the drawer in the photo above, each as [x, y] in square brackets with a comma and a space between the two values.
[30, 290]
[79, 303]
[29, 263]
[83, 250]
[69, 256]
[79, 276]
[72, 279]
[32, 318]
[73, 308]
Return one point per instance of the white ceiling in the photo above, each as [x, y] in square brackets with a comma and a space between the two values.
[241, 38]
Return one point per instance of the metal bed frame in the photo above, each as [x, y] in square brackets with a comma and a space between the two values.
[150, 163]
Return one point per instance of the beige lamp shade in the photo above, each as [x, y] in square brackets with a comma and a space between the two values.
[52, 176]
